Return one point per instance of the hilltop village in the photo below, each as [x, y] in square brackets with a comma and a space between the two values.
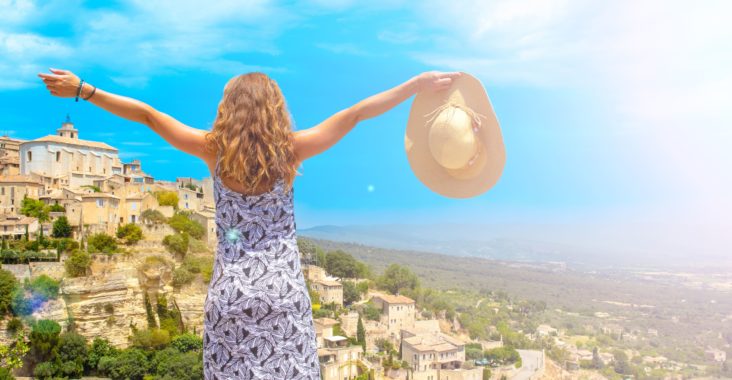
[154, 275]
[104, 273]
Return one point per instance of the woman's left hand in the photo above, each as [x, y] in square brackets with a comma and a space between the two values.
[436, 80]
[61, 83]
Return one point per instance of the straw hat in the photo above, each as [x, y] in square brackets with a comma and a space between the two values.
[453, 141]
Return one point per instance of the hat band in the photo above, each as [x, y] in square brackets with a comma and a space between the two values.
[474, 116]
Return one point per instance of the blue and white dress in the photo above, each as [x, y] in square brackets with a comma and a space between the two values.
[258, 321]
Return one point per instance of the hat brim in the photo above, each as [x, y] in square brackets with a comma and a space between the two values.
[416, 141]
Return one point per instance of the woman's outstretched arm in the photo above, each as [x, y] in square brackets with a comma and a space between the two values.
[315, 140]
[64, 83]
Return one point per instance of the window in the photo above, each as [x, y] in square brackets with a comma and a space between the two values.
[2, 190]
[72, 135]
[30, 156]
[134, 205]
[100, 202]
[58, 156]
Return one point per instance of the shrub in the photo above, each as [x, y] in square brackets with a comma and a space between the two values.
[8, 284]
[153, 216]
[78, 264]
[66, 244]
[198, 246]
[45, 287]
[57, 208]
[181, 222]
[187, 342]
[44, 370]
[100, 348]
[170, 364]
[131, 364]
[15, 325]
[167, 198]
[151, 339]
[177, 243]
[102, 242]
[131, 233]
[181, 277]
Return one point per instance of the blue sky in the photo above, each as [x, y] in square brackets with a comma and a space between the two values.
[611, 113]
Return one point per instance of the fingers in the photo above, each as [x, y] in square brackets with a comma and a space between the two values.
[59, 71]
[452, 75]
[443, 82]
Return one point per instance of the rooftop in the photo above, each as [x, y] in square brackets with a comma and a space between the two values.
[76, 142]
[388, 298]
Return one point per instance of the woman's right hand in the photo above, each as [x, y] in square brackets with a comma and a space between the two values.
[436, 80]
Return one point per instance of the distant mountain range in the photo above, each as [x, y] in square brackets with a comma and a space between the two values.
[530, 243]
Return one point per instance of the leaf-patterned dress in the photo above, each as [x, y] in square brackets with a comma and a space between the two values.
[258, 321]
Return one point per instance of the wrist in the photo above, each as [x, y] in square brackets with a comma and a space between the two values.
[87, 91]
[418, 82]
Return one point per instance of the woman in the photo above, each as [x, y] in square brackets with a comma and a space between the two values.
[258, 319]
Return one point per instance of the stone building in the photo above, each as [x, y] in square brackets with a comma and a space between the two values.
[9, 155]
[14, 226]
[13, 188]
[330, 291]
[64, 159]
[397, 312]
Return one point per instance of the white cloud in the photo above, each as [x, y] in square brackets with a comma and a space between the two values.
[139, 39]
[661, 70]
[21, 54]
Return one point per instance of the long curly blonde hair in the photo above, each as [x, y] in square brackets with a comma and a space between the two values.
[252, 134]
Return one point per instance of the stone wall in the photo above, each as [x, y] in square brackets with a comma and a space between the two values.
[20, 271]
[156, 231]
[52, 269]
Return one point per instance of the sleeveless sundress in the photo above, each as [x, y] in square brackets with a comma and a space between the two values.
[258, 321]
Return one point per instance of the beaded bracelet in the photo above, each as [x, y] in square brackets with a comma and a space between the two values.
[78, 90]
[92, 92]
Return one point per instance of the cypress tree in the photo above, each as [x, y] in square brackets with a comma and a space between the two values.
[361, 333]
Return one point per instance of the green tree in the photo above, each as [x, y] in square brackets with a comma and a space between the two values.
[187, 342]
[361, 333]
[44, 338]
[71, 354]
[131, 233]
[101, 242]
[61, 228]
[167, 198]
[130, 364]
[341, 264]
[371, 311]
[35, 208]
[8, 285]
[57, 208]
[78, 264]
[171, 364]
[100, 348]
[351, 292]
[397, 278]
